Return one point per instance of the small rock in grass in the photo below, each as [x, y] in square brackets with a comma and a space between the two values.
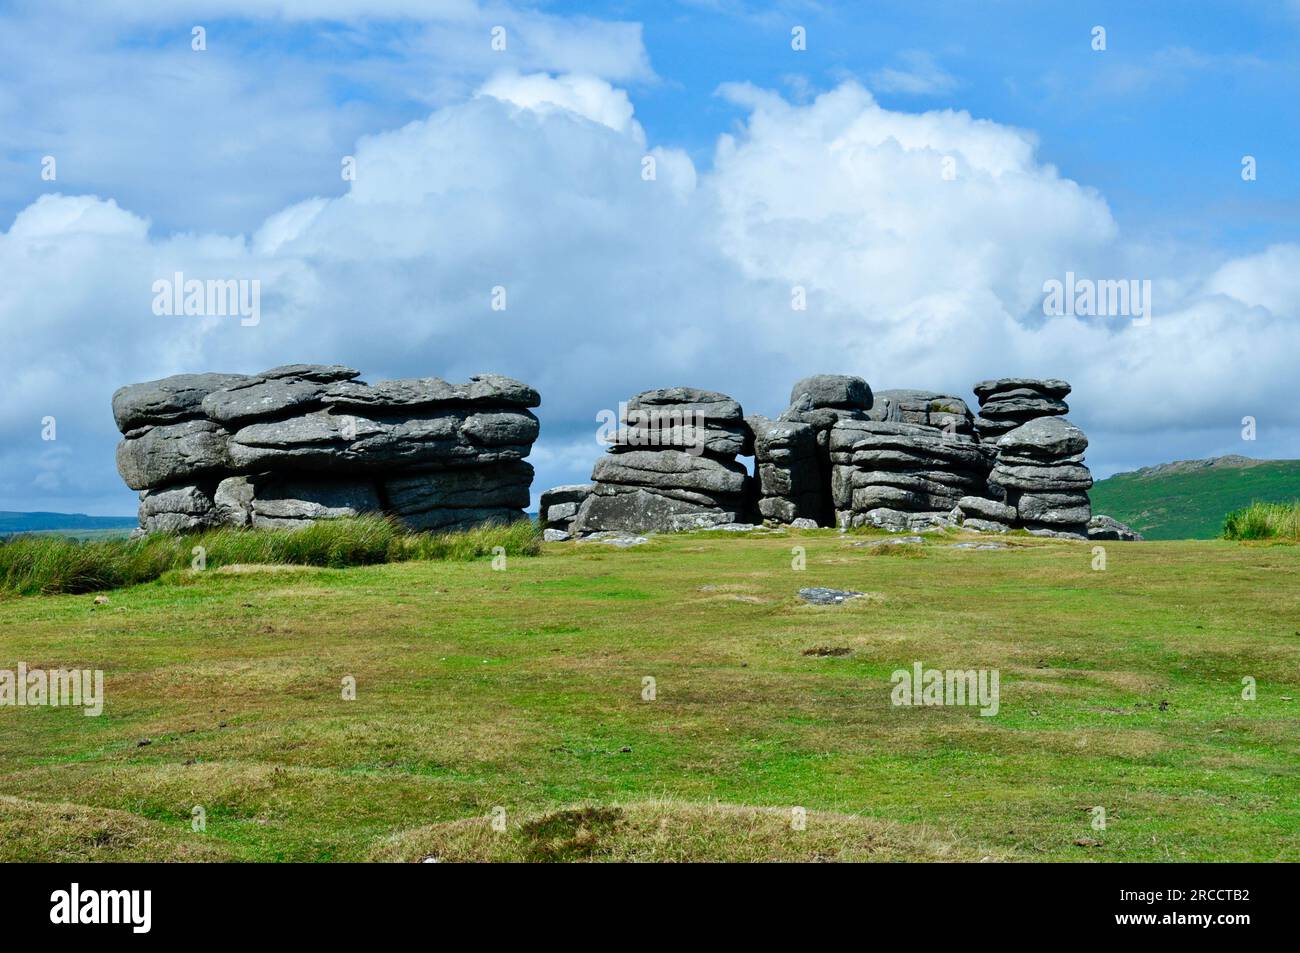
[101, 600]
[614, 538]
[555, 535]
[892, 541]
[821, 596]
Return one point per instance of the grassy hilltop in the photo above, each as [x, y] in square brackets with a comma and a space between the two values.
[1191, 498]
[522, 690]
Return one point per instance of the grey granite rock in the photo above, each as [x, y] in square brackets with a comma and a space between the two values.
[834, 390]
[309, 441]
[166, 401]
[177, 509]
[387, 397]
[167, 454]
[1107, 528]
[821, 596]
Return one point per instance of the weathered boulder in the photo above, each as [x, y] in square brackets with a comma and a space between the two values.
[177, 509]
[833, 390]
[167, 454]
[363, 444]
[559, 505]
[1107, 528]
[683, 418]
[994, 511]
[633, 509]
[923, 408]
[166, 401]
[483, 390]
[1045, 438]
[1008, 402]
[272, 394]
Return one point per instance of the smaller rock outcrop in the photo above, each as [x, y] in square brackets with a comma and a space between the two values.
[1040, 467]
[558, 508]
[671, 465]
[1107, 528]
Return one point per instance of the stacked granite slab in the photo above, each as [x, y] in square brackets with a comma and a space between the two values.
[787, 470]
[1040, 467]
[903, 476]
[671, 466]
[821, 402]
[304, 442]
[1008, 402]
[925, 408]
[558, 508]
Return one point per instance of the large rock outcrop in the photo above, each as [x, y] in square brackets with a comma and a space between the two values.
[304, 442]
[671, 465]
[841, 454]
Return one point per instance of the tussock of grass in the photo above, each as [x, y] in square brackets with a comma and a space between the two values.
[1264, 521]
[674, 831]
[51, 564]
[901, 550]
[46, 833]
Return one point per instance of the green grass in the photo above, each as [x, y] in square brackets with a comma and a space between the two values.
[1264, 521]
[1193, 503]
[53, 564]
[522, 690]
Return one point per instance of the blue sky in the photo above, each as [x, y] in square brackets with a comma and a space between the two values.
[777, 167]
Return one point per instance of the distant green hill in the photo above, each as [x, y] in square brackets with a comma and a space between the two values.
[1189, 499]
[72, 524]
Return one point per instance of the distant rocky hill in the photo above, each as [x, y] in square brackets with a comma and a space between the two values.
[1188, 499]
[72, 523]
